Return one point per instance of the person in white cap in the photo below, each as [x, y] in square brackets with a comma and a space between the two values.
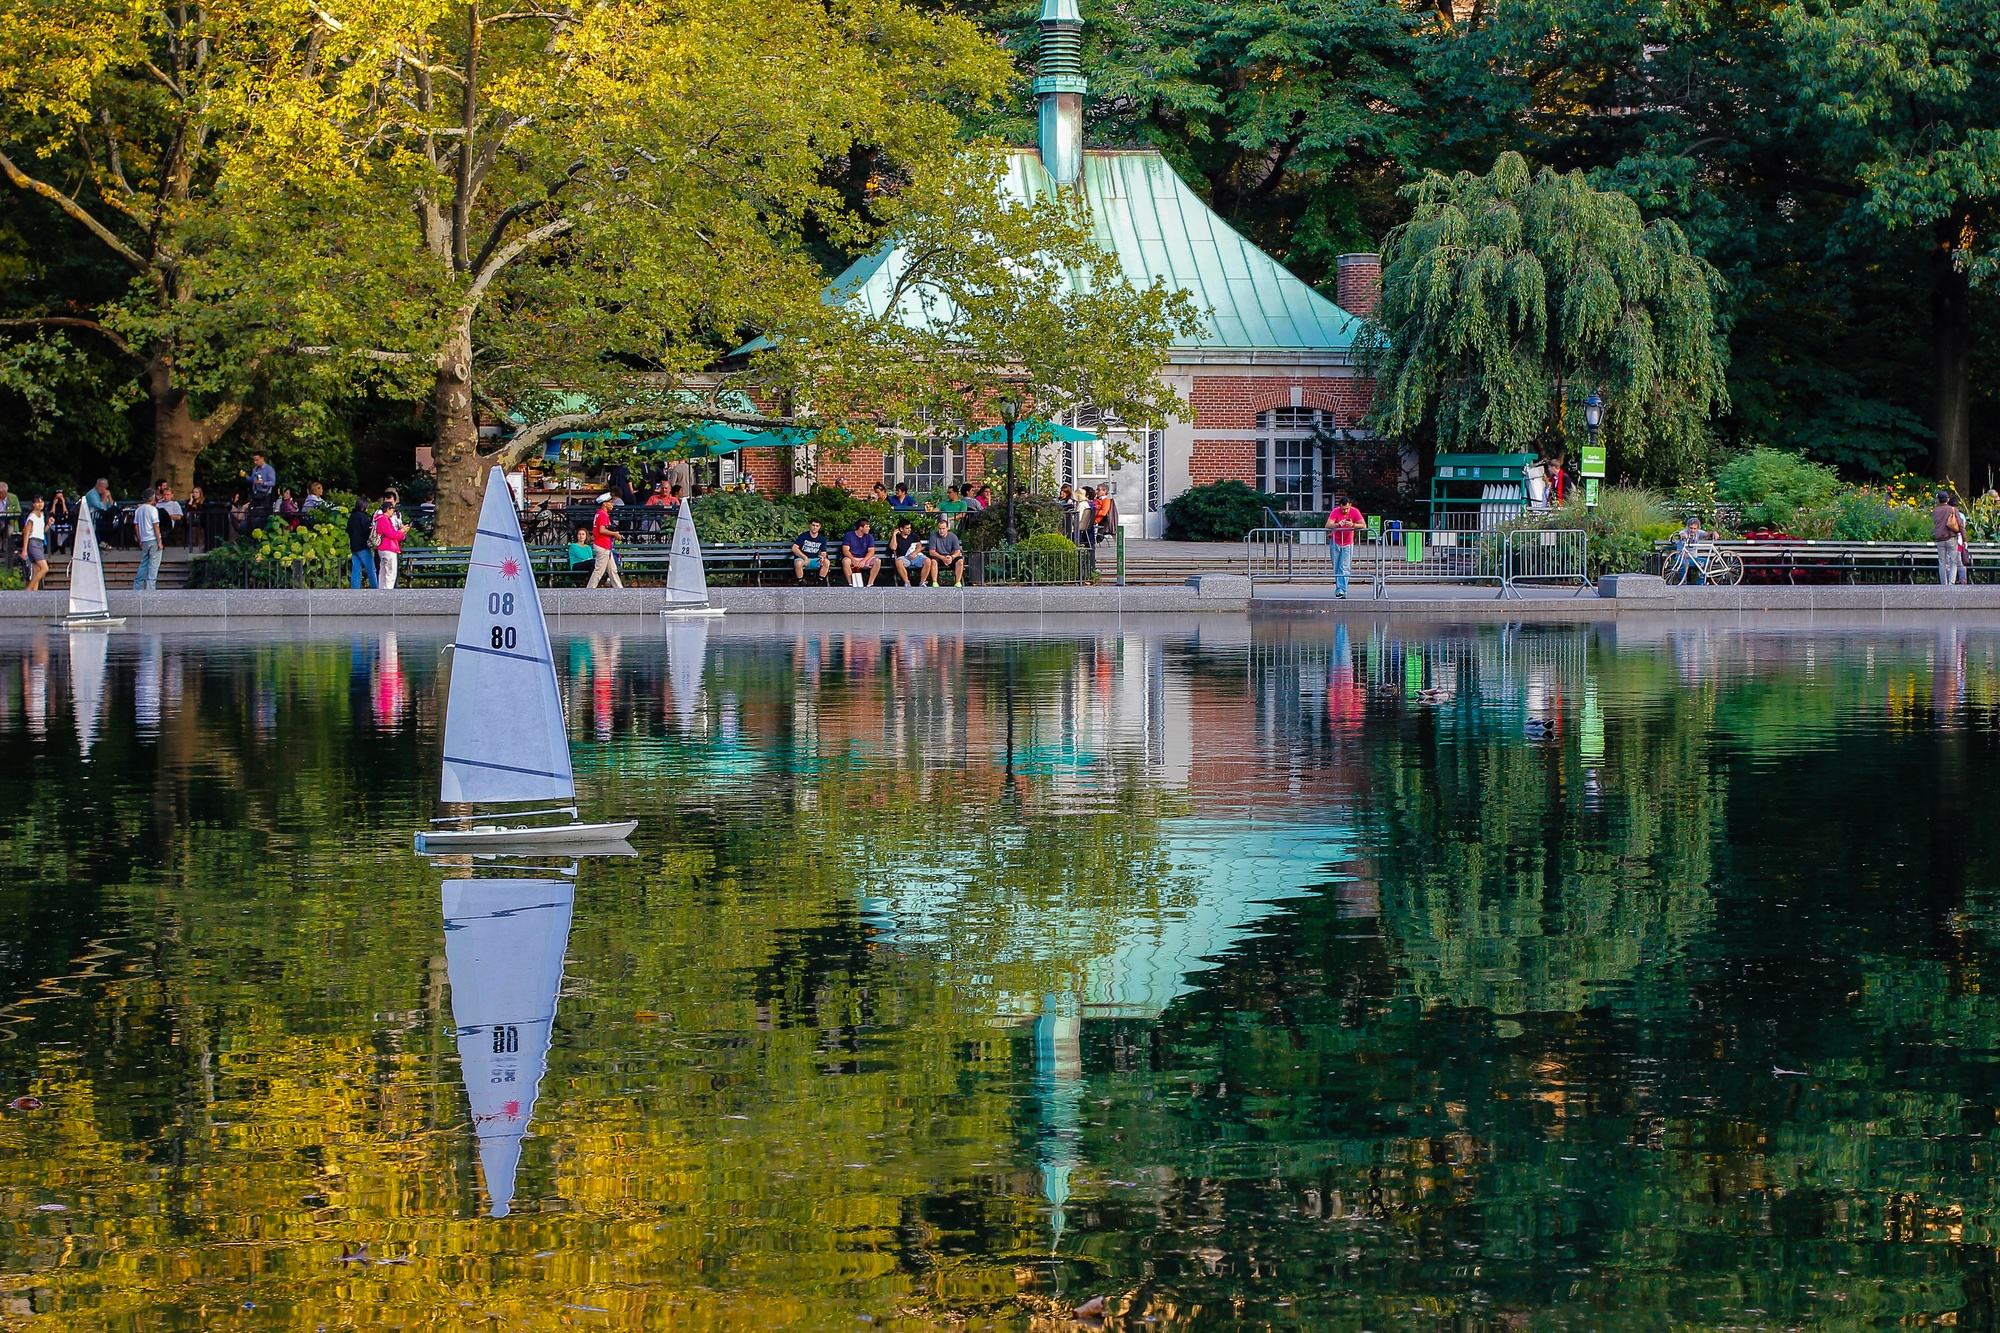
[601, 534]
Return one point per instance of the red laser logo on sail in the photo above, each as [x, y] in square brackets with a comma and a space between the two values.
[510, 568]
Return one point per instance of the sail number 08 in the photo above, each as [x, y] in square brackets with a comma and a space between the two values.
[501, 604]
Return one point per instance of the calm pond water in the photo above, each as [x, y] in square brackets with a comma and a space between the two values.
[1310, 976]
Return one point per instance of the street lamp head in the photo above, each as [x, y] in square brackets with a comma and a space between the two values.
[1010, 408]
[1593, 411]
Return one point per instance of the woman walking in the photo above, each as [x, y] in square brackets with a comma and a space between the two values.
[389, 532]
[34, 544]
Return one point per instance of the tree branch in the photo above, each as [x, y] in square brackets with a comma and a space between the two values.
[508, 254]
[79, 213]
[515, 211]
[72, 322]
[365, 353]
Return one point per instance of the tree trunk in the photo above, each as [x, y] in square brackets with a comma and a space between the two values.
[175, 439]
[460, 479]
[1951, 363]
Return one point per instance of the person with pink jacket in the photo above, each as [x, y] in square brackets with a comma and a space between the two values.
[389, 532]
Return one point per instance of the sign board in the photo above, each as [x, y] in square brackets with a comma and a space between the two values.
[1593, 461]
[1374, 526]
[1589, 491]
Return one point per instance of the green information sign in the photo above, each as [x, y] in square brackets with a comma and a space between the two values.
[1413, 547]
[1590, 491]
[1593, 461]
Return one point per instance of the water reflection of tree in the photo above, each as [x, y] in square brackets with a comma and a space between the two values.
[265, 1079]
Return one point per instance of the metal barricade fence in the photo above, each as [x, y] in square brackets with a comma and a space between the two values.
[1559, 556]
[1286, 554]
[1419, 555]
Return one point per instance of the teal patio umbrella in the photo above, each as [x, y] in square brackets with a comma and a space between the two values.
[704, 439]
[1031, 430]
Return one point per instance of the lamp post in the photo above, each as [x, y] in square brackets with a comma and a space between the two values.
[1593, 417]
[1010, 415]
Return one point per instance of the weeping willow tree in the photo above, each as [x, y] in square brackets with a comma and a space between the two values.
[1507, 299]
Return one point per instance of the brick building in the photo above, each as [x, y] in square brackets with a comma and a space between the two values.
[1275, 396]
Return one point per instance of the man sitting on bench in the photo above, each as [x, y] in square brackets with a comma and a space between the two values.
[809, 552]
[858, 553]
[946, 552]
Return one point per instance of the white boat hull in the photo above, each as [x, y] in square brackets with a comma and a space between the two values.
[90, 622]
[552, 837]
[687, 611]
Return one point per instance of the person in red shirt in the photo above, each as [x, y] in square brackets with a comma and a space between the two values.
[601, 534]
[1341, 526]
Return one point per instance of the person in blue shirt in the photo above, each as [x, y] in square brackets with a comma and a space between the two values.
[809, 553]
[901, 499]
[858, 553]
[263, 479]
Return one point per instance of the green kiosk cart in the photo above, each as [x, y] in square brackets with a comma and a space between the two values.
[1472, 491]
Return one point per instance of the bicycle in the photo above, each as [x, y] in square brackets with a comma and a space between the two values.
[1703, 562]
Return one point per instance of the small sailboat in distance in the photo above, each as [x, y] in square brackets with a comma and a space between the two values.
[687, 578]
[505, 739]
[89, 606]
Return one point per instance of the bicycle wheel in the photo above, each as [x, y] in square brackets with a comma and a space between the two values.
[1728, 569]
[1676, 571]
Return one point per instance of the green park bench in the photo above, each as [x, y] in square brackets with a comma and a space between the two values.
[1812, 561]
[444, 566]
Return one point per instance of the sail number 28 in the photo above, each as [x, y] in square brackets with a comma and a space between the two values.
[501, 604]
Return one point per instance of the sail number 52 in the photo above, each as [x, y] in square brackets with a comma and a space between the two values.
[501, 604]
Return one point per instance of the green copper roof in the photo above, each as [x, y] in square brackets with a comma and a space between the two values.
[1157, 227]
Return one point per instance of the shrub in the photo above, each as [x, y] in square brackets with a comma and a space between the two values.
[1034, 516]
[838, 511]
[1222, 511]
[1772, 485]
[733, 518]
[1860, 516]
[1046, 541]
[11, 577]
[1621, 528]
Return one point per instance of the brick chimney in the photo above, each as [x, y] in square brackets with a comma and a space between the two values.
[1359, 284]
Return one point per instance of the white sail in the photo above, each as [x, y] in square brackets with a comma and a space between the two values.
[86, 570]
[87, 651]
[503, 954]
[687, 650]
[504, 736]
[687, 581]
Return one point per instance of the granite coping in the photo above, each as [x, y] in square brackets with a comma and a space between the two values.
[341, 603]
[1213, 594]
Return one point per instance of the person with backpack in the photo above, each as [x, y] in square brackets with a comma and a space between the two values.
[360, 545]
[1946, 528]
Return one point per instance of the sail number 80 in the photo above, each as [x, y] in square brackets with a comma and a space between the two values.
[501, 604]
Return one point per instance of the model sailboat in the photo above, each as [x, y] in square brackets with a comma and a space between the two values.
[505, 740]
[687, 578]
[89, 606]
[503, 954]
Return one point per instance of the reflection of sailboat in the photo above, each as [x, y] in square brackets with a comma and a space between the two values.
[87, 652]
[505, 739]
[687, 650]
[687, 578]
[88, 603]
[1059, 1095]
[503, 951]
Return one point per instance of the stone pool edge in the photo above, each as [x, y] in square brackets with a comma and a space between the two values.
[1228, 593]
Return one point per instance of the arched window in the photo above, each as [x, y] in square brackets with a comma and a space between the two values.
[1294, 461]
